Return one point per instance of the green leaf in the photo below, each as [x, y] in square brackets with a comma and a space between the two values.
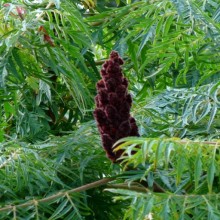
[149, 206]
[4, 74]
[165, 214]
[158, 153]
[212, 115]
[167, 24]
[211, 173]
[168, 150]
[148, 34]
[198, 168]
[59, 209]
[180, 167]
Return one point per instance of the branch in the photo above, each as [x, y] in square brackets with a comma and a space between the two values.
[59, 194]
[80, 189]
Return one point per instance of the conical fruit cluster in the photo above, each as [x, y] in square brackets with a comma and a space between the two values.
[113, 105]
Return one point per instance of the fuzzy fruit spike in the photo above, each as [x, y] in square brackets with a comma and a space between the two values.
[113, 105]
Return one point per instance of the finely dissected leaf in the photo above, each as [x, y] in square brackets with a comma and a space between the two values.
[168, 150]
[45, 88]
[159, 26]
[4, 74]
[198, 168]
[59, 209]
[213, 213]
[186, 110]
[149, 33]
[193, 201]
[150, 178]
[165, 180]
[149, 206]
[158, 153]
[206, 109]
[211, 173]
[165, 214]
[181, 164]
[212, 115]
[195, 107]
[144, 148]
[147, 149]
[167, 24]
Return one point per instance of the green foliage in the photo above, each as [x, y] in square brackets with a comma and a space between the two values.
[50, 56]
[52, 92]
[166, 43]
[37, 179]
[185, 170]
[183, 112]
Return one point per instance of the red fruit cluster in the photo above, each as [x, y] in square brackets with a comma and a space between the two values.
[113, 105]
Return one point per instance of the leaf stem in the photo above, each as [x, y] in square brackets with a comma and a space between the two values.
[133, 188]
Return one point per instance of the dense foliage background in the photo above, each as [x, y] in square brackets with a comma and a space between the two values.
[51, 52]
